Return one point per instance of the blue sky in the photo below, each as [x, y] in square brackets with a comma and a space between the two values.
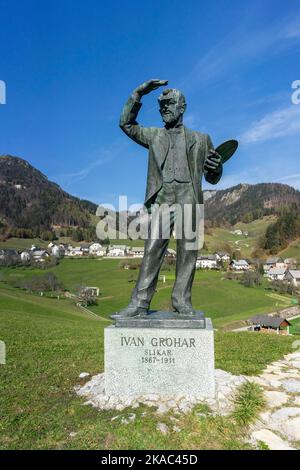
[69, 66]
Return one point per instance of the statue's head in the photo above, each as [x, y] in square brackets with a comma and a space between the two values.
[171, 106]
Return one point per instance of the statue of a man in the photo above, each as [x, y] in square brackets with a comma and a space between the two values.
[178, 157]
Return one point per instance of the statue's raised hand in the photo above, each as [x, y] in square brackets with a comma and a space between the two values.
[149, 86]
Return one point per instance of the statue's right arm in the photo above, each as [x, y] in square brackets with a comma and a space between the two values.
[129, 125]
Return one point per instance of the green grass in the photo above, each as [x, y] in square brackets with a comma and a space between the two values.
[292, 251]
[295, 326]
[49, 342]
[248, 353]
[23, 243]
[223, 300]
[248, 403]
[255, 229]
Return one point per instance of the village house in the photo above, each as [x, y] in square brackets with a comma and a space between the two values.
[269, 324]
[207, 262]
[291, 263]
[9, 257]
[274, 262]
[91, 290]
[223, 256]
[293, 276]
[117, 250]
[96, 249]
[236, 232]
[239, 265]
[136, 251]
[58, 251]
[39, 255]
[85, 248]
[276, 274]
[25, 256]
[74, 251]
[171, 253]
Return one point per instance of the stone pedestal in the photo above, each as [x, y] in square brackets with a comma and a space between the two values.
[168, 361]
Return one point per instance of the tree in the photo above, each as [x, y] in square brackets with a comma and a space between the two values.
[251, 279]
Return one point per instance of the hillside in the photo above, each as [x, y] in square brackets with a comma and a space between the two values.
[42, 412]
[246, 202]
[28, 200]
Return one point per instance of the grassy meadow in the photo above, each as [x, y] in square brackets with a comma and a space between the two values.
[49, 342]
[292, 251]
[225, 301]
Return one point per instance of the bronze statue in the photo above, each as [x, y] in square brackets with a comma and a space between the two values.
[178, 157]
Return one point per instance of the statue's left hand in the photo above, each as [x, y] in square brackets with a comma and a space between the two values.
[213, 161]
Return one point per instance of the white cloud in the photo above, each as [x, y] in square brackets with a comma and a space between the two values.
[239, 49]
[293, 30]
[105, 156]
[293, 180]
[280, 123]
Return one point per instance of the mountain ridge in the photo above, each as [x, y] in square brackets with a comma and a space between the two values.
[29, 200]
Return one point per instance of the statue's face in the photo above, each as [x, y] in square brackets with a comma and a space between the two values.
[170, 109]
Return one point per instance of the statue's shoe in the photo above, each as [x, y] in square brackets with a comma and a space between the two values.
[186, 310]
[130, 311]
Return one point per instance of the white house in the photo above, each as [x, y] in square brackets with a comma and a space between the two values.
[39, 255]
[58, 251]
[291, 263]
[293, 276]
[117, 251]
[25, 256]
[85, 248]
[96, 249]
[274, 262]
[171, 253]
[137, 251]
[237, 232]
[239, 265]
[207, 262]
[276, 274]
[74, 251]
[94, 291]
[223, 256]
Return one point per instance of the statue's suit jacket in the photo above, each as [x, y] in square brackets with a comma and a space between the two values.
[157, 141]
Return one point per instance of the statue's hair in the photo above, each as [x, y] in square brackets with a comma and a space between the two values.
[173, 92]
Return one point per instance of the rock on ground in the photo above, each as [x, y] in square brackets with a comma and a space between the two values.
[278, 425]
[273, 441]
[226, 386]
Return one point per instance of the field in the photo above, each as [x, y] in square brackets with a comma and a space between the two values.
[49, 342]
[223, 300]
[292, 251]
[295, 328]
[241, 244]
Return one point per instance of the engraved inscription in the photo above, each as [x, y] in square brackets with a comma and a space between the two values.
[159, 350]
